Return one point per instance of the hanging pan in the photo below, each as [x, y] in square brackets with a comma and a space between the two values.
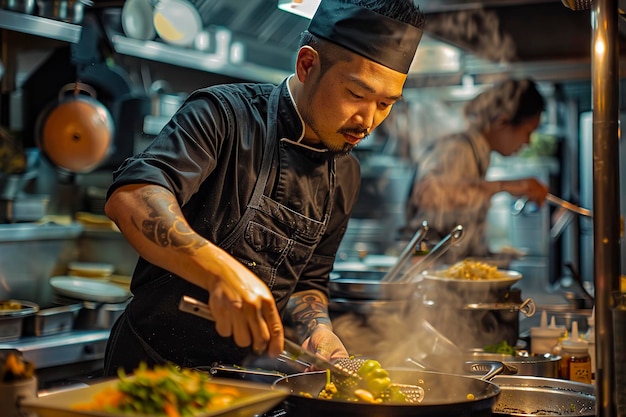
[75, 133]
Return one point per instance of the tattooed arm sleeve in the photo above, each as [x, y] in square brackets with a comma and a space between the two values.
[305, 311]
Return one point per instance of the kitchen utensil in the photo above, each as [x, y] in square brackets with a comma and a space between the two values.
[71, 11]
[358, 282]
[435, 253]
[12, 319]
[256, 399]
[407, 252]
[520, 204]
[76, 132]
[551, 198]
[367, 285]
[546, 366]
[445, 395]
[535, 396]
[89, 289]
[294, 351]
[342, 370]
[52, 320]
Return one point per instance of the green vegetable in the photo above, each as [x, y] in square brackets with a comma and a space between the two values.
[376, 379]
[502, 347]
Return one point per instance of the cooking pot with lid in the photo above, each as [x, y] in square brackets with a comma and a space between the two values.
[76, 132]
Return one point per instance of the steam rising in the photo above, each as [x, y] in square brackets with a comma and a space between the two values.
[477, 30]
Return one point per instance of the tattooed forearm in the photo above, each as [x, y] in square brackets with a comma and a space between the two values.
[307, 311]
[163, 226]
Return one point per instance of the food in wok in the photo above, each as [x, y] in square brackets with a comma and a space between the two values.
[372, 384]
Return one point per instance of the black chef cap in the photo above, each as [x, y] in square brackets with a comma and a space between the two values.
[377, 37]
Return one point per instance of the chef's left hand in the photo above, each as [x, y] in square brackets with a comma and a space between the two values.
[326, 344]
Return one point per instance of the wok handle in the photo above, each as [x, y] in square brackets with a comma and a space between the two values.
[440, 248]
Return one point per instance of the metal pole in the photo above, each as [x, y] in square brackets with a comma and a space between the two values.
[606, 212]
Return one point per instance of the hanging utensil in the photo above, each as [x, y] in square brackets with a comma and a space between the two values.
[520, 204]
[453, 238]
[551, 198]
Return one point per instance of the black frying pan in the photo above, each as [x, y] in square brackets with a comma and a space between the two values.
[445, 395]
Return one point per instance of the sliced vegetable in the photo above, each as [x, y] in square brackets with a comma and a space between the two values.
[162, 391]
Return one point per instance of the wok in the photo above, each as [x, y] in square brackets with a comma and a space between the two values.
[445, 395]
[397, 283]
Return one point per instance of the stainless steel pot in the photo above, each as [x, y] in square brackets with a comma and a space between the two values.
[534, 396]
[371, 284]
[367, 284]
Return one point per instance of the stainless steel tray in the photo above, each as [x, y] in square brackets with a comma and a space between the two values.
[53, 320]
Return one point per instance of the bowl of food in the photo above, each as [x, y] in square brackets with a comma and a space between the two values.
[471, 276]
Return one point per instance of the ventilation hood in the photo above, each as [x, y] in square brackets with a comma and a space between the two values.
[539, 38]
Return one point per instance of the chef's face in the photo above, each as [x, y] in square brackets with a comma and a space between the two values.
[342, 105]
[509, 138]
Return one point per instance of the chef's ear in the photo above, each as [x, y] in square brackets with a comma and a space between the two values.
[306, 61]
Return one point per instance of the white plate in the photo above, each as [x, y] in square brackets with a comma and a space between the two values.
[177, 21]
[89, 289]
[137, 20]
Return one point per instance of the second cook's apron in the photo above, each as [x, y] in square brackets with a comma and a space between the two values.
[272, 240]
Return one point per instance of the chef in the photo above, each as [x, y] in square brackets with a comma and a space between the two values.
[450, 185]
[244, 196]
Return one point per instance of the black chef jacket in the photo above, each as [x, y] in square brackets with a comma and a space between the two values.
[209, 156]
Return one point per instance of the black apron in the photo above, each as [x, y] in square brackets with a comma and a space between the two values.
[272, 240]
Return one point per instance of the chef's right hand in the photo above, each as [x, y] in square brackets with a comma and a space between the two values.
[244, 308]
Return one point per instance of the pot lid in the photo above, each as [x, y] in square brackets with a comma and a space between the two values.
[77, 135]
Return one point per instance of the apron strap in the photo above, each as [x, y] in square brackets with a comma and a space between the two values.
[266, 165]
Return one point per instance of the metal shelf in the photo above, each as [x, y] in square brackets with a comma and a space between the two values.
[190, 58]
[40, 26]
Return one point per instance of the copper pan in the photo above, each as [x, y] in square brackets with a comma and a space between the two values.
[75, 133]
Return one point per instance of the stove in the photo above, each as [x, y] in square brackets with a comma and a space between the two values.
[64, 358]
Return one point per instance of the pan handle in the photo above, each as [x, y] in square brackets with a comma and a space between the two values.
[418, 237]
[527, 307]
[440, 248]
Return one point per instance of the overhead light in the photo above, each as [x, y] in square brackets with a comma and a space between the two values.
[303, 8]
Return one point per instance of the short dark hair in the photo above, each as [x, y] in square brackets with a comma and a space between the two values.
[516, 100]
[402, 10]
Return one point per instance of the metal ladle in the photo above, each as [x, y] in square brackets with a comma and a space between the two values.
[520, 204]
[435, 253]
